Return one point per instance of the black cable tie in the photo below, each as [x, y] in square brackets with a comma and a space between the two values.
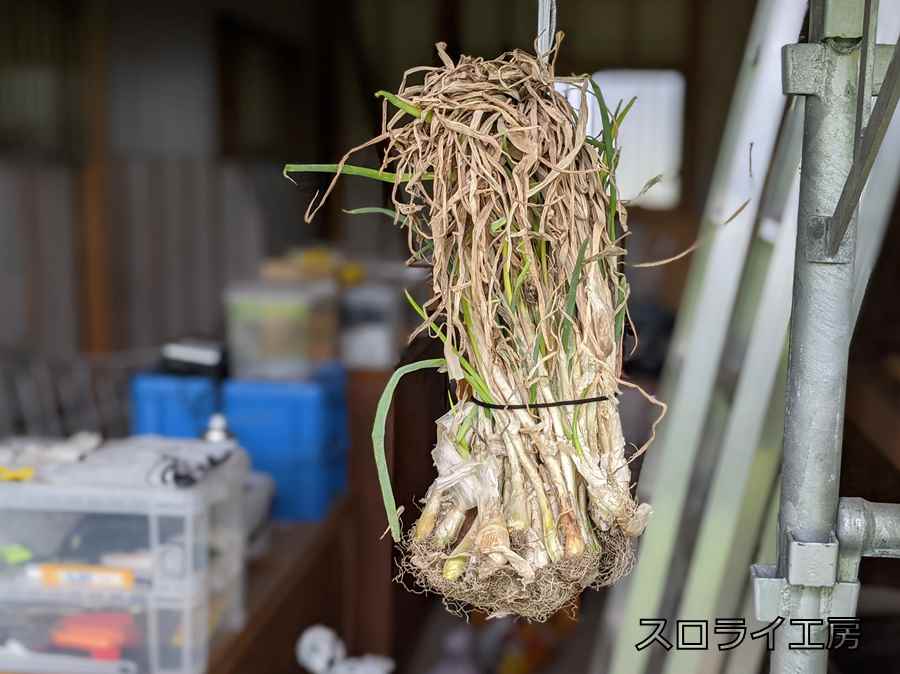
[531, 406]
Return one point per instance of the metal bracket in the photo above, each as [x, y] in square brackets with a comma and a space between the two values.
[864, 529]
[813, 564]
[802, 71]
[837, 19]
[802, 68]
[770, 592]
[774, 596]
[817, 242]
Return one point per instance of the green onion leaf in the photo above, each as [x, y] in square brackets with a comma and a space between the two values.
[351, 170]
[610, 150]
[507, 281]
[467, 319]
[571, 296]
[366, 210]
[475, 380]
[620, 117]
[402, 104]
[378, 431]
[519, 280]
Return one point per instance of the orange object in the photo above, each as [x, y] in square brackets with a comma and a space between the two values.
[101, 635]
[85, 575]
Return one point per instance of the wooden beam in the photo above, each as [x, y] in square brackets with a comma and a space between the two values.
[372, 615]
[420, 399]
[96, 282]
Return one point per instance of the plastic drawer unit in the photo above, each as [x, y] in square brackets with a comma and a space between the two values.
[121, 634]
[132, 557]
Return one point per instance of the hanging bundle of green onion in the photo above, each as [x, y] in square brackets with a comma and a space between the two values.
[514, 206]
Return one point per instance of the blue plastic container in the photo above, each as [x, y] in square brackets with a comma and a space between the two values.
[297, 432]
[170, 405]
[333, 379]
[307, 492]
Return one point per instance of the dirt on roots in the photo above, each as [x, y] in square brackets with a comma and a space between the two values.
[554, 587]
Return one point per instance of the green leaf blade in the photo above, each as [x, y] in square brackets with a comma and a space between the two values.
[571, 296]
[372, 210]
[610, 152]
[352, 170]
[378, 433]
[475, 380]
[402, 104]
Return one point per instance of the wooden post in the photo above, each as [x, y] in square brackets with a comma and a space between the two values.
[371, 628]
[385, 617]
[96, 286]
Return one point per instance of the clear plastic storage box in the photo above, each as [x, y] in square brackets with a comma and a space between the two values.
[132, 557]
[281, 330]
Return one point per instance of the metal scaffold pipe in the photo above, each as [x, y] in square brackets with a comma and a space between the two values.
[821, 324]
[866, 529]
[546, 26]
[826, 70]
